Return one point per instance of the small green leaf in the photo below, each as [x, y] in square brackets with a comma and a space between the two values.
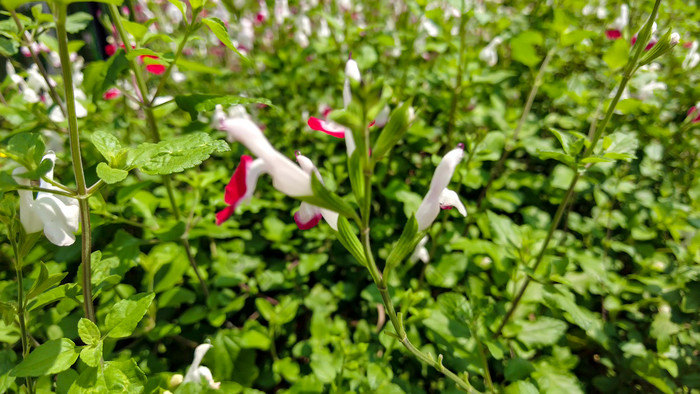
[8, 46]
[126, 314]
[349, 240]
[617, 55]
[267, 311]
[405, 246]
[219, 29]
[92, 354]
[393, 131]
[523, 48]
[137, 30]
[194, 103]
[26, 149]
[542, 332]
[44, 282]
[88, 331]
[107, 144]
[77, 21]
[175, 155]
[51, 357]
[109, 174]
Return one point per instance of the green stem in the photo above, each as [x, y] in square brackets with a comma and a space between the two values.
[155, 135]
[629, 70]
[498, 168]
[178, 53]
[485, 362]
[24, 334]
[28, 41]
[457, 92]
[41, 190]
[86, 242]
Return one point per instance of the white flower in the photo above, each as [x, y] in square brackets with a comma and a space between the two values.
[421, 253]
[647, 91]
[57, 215]
[308, 215]
[195, 373]
[439, 196]
[622, 20]
[489, 54]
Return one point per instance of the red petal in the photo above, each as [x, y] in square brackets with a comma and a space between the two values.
[319, 125]
[371, 124]
[613, 34]
[156, 69]
[650, 45]
[310, 224]
[110, 49]
[112, 93]
[222, 216]
[236, 187]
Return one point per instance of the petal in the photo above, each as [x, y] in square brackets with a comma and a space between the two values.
[330, 128]
[430, 206]
[249, 134]
[288, 177]
[352, 70]
[56, 218]
[27, 215]
[193, 372]
[450, 199]
[331, 218]
[156, 69]
[307, 216]
[223, 215]
[236, 187]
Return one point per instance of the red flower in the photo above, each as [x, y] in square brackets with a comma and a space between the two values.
[111, 94]
[110, 49]
[613, 34]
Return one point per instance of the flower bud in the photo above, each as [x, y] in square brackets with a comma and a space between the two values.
[664, 45]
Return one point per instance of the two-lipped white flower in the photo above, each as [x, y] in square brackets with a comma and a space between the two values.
[421, 252]
[309, 215]
[57, 215]
[287, 177]
[439, 196]
[195, 373]
[489, 54]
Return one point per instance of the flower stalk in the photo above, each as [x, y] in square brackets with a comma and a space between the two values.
[74, 137]
[629, 71]
[153, 126]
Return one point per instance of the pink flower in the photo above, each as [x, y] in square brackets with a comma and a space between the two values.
[111, 94]
[613, 34]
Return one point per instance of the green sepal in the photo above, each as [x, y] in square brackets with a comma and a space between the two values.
[660, 48]
[347, 237]
[407, 243]
[324, 198]
[393, 131]
[357, 180]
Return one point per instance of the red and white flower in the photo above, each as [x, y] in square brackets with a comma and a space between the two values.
[615, 29]
[439, 196]
[287, 177]
[309, 215]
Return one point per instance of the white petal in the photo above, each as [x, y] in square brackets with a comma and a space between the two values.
[288, 177]
[307, 212]
[421, 253]
[430, 206]
[352, 70]
[28, 216]
[56, 217]
[331, 218]
[193, 372]
[347, 93]
[449, 198]
[349, 143]
[257, 168]
[249, 134]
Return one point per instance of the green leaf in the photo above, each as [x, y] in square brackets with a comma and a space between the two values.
[175, 155]
[50, 358]
[349, 240]
[194, 103]
[26, 149]
[110, 175]
[134, 53]
[88, 331]
[8, 46]
[267, 311]
[309, 263]
[13, 4]
[92, 354]
[185, 64]
[523, 48]
[77, 21]
[219, 29]
[393, 131]
[137, 30]
[575, 36]
[521, 387]
[42, 282]
[126, 314]
[617, 55]
[357, 179]
[406, 245]
[542, 332]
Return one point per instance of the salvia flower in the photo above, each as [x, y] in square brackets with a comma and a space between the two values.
[615, 29]
[195, 373]
[439, 196]
[287, 177]
[333, 129]
[692, 58]
[421, 253]
[489, 54]
[309, 215]
[57, 215]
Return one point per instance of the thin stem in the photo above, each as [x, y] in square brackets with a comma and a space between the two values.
[629, 70]
[28, 40]
[485, 362]
[178, 53]
[457, 92]
[42, 190]
[155, 135]
[24, 333]
[498, 168]
[86, 245]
